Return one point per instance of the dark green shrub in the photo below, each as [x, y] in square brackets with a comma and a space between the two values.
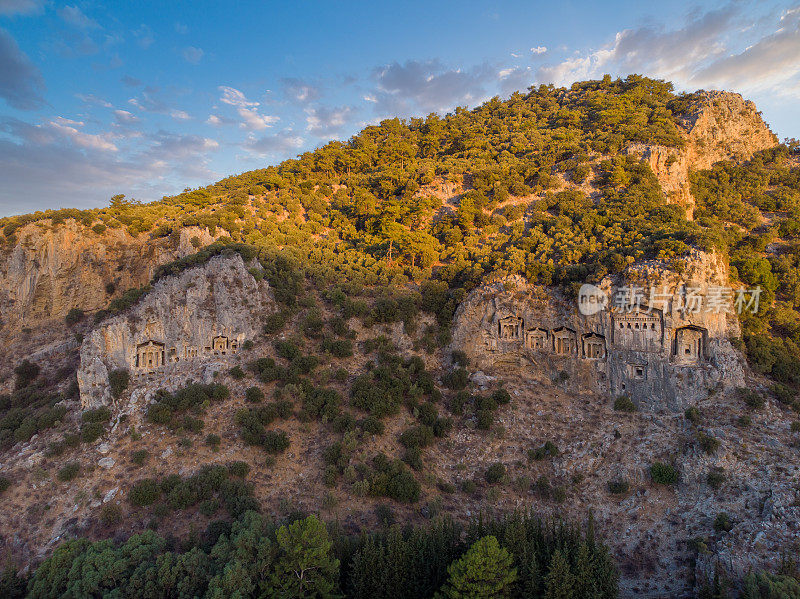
[484, 419]
[413, 457]
[237, 373]
[254, 394]
[274, 323]
[240, 469]
[417, 436]
[753, 400]
[287, 349]
[663, 474]
[102, 414]
[623, 403]
[501, 397]
[213, 441]
[715, 478]
[91, 431]
[110, 514]
[140, 456]
[469, 486]
[707, 443]
[371, 425]
[460, 358]
[69, 472]
[495, 473]
[723, 522]
[144, 492]
[26, 373]
[783, 393]
[74, 316]
[618, 487]
[458, 402]
[118, 380]
[693, 415]
[548, 450]
[456, 379]
[275, 441]
[5, 483]
[384, 514]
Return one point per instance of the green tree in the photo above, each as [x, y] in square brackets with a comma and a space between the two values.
[305, 565]
[560, 581]
[485, 571]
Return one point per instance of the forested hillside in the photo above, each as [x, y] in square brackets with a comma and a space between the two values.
[349, 393]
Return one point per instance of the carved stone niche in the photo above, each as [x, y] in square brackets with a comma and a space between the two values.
[637, 371]
[689, 345]
[510, 327]
[219, 344]
[536, 338]
[639, 329]
[594, 346]
[564, 341]
[149, 355]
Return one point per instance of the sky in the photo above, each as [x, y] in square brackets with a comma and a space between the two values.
[149, 98]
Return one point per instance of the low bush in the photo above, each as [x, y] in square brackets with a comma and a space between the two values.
[623, 403]
[144, 492]
[618, 486]
[139, 457]
[240, 469]
[548, 450]
[275, 441]
[715, 478]
[663, 474]
[110, 514]
[237, 373]
[723, 522]
[91, 431]
[118, 380]
[753, 400]
[254, 394]
[707, 443]
[693, 415]
[213, 441]
[495, 473]
[68, 472]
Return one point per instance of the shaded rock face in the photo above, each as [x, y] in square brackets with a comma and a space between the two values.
[662, 353]
[724, 126]
[199, 317]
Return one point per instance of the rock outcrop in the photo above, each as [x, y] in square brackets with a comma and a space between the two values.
[666, 344]
[186, 322]
[722, 126]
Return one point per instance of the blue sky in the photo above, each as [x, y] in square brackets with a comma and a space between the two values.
[147, 98]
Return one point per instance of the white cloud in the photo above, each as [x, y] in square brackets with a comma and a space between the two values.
[538, 50]
[234, 97]
[180, 115]
[92, 99]
[282, 143]
[20, 7]
[300, 91]
[246, 109]
[251, 119]
[144, 36]
[74, 16]
[327, 122]
[428, 85]
[123, 117]
[71, 130]
[192, 55]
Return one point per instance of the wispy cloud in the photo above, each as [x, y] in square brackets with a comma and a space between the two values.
[246, 109]
[192, 55]
[72, 15]
[328, 122]
[21, 7]
[21, 83]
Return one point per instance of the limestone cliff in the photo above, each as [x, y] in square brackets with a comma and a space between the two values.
[186, 323]
[720, 126]
[668, 347]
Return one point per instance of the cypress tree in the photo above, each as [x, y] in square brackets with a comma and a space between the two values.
[560, 582]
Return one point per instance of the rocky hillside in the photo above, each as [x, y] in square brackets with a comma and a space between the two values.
[393, 329]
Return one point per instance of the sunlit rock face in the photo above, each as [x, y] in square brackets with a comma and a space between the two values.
[665, 351]
[186, 322]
